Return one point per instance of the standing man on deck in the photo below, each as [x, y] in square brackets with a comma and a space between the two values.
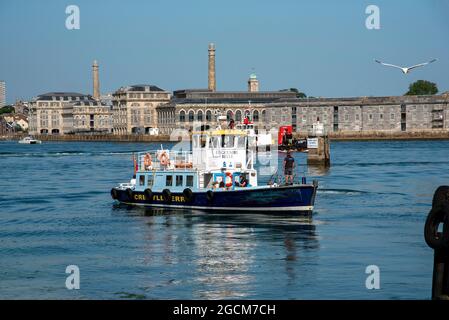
[289, 166]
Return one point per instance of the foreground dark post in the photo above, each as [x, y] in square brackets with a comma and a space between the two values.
[436, 234]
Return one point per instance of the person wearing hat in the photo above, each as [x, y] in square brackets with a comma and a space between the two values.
[289, 166]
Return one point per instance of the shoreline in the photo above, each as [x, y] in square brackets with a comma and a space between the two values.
[347, 136]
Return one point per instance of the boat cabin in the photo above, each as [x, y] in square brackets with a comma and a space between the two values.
[218, 159]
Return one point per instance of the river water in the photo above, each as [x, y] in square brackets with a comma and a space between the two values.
[56, 210]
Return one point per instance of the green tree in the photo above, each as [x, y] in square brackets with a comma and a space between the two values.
[299, 94]
[7, 109]
[422, 87]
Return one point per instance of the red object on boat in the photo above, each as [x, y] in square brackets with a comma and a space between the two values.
[282, 132]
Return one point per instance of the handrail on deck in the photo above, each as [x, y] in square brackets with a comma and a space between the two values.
[164, 160]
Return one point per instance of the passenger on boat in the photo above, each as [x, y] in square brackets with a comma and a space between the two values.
[243, 181]
[289, 165]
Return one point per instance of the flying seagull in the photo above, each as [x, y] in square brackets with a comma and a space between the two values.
[406, 70]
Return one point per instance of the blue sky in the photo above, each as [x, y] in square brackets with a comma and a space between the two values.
[321, 47]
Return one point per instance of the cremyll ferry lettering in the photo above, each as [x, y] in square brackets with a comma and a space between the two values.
[159, 198]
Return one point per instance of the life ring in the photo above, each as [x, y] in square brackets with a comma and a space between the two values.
[228, 180]
[188, 194]
[164, 159]
[147, 161]
[166, 195]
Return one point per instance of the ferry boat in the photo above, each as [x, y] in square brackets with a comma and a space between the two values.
[218, 174]
[30, 140]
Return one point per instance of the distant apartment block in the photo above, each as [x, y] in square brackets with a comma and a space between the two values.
[2, 94]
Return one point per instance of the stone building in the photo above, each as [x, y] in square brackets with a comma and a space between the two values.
[91, 116]
[67, 113]
[21, 107]
[134, 108]
[70, 112]
[52, 113]
[370, 114]
[189, 106]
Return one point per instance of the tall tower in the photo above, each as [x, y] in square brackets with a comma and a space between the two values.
[2, 93]
[212, 84]
[96, 79]
[253, 83]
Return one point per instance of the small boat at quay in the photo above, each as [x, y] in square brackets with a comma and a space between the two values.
[217, 174]
[30, 140]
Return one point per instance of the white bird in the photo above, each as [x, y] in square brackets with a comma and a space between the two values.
[404, 69]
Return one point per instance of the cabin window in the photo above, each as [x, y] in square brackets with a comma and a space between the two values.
[189, 181]
[227, 141]
[150, 181]
[141, 180]
[169, 181]
[241, 142]
[214, 142]
[179, 181]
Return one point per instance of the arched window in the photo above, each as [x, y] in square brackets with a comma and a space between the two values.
[229, 115]
[256, 116]
[182, 116]
[200, 116]
[191, 116]
[208, 115]
[238, 116]
[264, 116]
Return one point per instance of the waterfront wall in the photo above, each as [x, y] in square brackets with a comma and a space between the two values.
[333, 136]
[105, 137]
